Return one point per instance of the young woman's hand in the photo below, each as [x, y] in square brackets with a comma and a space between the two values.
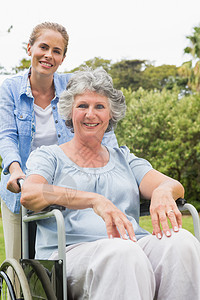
[15, 174]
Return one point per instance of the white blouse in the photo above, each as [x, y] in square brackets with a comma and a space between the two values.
[45, 131]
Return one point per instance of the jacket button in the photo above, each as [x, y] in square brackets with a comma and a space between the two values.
[59, 135]
[56, 121]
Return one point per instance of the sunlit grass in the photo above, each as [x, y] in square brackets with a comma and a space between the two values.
[145, 222]
[2, 249]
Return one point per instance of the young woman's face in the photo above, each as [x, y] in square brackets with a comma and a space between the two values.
[90, 115]
[47, 53]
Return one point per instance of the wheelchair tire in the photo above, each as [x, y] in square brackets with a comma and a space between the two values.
[13, 282]
[42, 277]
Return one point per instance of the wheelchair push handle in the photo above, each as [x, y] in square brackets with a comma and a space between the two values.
[20, 182]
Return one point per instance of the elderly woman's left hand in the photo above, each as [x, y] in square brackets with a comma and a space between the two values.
[163, 208]
[162, 190]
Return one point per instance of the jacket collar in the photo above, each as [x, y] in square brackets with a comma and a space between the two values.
[26, 88]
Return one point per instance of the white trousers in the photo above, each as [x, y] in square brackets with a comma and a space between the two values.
[116, 269]
[12, 232]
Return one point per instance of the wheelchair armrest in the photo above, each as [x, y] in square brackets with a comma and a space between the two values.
[46, 209]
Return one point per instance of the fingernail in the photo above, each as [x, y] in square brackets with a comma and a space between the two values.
[180, 226]
[168, 233]
[159, 236]
[125, 236]
[175, 228]
[111, 237]
[134, 239]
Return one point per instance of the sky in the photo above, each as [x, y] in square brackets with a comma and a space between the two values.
[153, 30]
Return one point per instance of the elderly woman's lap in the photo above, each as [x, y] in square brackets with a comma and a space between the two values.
[109, 269]
[176, 264]
[121, 269]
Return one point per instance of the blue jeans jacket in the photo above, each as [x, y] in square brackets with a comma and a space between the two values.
[17, 127]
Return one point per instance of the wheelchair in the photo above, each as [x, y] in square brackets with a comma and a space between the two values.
[46, 279]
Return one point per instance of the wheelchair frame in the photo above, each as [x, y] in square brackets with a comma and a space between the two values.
[55, 212]
[61, 237]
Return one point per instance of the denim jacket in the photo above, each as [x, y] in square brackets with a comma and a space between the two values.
[17, 127]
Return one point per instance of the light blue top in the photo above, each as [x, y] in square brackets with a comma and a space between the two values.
[118, 181]
[17, 127]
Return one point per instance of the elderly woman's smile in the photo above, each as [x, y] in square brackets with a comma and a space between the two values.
[90, 124]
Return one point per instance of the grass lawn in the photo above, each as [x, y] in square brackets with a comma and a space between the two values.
[145, 222]
[2, 252]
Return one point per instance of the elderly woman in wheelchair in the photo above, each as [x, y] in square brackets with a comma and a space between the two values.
[108, 255]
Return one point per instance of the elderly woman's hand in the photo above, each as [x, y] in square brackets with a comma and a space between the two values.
[116, 222]
[162, 190]
[163, 207]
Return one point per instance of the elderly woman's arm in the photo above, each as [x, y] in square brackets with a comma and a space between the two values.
[36, 194]
[163, 192]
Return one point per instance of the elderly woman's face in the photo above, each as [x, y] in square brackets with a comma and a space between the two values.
[90, 114]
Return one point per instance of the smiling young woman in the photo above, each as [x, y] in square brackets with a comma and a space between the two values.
[29, 119]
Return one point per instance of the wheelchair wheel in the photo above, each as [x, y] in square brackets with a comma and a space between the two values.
[38, 279]
[13, 282]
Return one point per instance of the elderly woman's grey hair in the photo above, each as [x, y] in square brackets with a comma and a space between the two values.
[97, 81]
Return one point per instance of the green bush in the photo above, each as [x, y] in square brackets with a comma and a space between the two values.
[166, 131]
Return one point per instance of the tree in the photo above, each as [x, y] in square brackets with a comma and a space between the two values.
[127, 73]
[164, 76]
[7, 31]
[191, 69]
[138, 73]
[95, 63]
[194, 48]
[3, 70]
[24, 64]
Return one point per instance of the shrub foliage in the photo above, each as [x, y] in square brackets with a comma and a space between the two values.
[165, 129]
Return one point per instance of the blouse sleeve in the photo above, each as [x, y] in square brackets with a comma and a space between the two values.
[42, 162]
[139, 166]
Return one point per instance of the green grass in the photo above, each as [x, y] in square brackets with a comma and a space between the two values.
[2, 251]
[145, 222]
